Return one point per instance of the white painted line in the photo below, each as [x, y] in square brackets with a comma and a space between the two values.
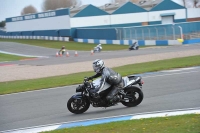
[164, 113]
[20, 54]
[180, 69]
[168, 74]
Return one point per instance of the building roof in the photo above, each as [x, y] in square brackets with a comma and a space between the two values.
[111, 7]
[129, 7]
[148, 5]
[162, 6]
[90, 10]
[74, 10]
[145, 4]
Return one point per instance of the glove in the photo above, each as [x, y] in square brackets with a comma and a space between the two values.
[88, 78]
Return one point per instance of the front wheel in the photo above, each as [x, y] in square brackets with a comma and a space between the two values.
[78, 105]
[133, 97]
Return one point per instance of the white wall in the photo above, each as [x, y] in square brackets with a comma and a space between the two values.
[51, 23]
[193, 12]
[129, 18]
[155, 16]
[90, 21]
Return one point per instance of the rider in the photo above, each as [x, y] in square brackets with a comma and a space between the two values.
[62, 50]
[111, 77]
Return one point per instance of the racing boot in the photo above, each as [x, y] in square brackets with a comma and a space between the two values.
[116, 99]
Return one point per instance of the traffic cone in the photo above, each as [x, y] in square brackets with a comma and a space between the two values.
[92, 52]
[60, 54]
[76, 53]
[67, 54]
[57, 54]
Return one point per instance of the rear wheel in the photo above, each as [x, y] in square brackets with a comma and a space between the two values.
[78, 106]
[134, 96]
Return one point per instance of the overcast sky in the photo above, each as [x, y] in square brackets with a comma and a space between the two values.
[12, 8]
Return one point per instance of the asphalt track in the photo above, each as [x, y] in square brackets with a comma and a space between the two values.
[82, 55]
[165, 90]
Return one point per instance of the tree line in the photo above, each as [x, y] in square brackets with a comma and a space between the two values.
[51, 5]
[2, 23]
[55, 4]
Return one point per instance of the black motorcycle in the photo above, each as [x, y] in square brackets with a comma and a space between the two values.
[131, 95]
[134, 46]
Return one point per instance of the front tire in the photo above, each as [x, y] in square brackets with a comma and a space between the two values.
[78, 106]
[133, 97]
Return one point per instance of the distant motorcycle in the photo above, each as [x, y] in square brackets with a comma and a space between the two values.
[134, 46]
[131, 95]
[98, 48]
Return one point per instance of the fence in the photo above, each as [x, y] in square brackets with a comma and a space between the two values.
[160, 32]
[37, 38]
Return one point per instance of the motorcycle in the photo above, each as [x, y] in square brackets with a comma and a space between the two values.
[134, 46]
[98, 48]
[131, 95]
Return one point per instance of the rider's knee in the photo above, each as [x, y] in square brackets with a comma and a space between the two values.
[109, 98]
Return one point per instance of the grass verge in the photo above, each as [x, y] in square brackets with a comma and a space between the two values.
[69, 45]
[8, 57]
[173, 124]
[36, 84]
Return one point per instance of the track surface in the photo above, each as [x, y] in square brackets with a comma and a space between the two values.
[162, 91]
[82, 55]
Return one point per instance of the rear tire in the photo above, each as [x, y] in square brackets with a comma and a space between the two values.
[136, 94]
[78, 106]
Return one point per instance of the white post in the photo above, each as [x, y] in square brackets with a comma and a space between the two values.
[173, 32]
[156, 32]
[149, 34]
[181, 31]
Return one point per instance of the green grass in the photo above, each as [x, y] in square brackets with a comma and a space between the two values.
[175, 124]
[8, 57]
[68, 45]
[36, 84]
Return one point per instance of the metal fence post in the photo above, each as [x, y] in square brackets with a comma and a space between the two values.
[130, 35]
[156, 32]
[149, 34]
[173, 32]
[143, 34]
[135, 34]
[117, 36]
[124, 31]
[181, 31]
[165, 33]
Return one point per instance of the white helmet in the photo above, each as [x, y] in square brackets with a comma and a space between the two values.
[99, 45]
[98, 65]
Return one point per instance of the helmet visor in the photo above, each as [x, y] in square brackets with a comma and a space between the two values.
[96, 68]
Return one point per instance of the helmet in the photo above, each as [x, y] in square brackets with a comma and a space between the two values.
[99, 45]
[63, 46]
[98, 65]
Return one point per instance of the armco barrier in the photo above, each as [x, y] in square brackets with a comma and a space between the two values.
[66, 39]
[129, 42]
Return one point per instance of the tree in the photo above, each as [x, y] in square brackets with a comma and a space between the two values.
[55, 4]
[28, 9]
[2, 23]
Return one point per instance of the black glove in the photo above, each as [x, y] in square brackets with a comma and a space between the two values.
[88, 78]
